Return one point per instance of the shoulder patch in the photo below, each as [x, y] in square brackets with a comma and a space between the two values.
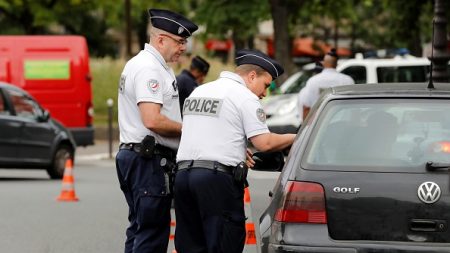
[261, 115]
[153, 85]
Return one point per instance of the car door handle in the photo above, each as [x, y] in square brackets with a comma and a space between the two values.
[427, 225]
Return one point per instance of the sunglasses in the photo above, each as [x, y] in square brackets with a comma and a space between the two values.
[180, 42]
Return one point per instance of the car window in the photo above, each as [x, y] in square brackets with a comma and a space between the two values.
[358, 73]
[381, 134]
[299, 83]
[23, 105]
[402, 74]
[3, 106]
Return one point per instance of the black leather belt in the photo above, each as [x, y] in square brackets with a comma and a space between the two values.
[159, 149]
[211, 165]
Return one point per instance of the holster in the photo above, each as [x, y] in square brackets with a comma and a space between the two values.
[147, 147]
[240, 174]
[170, 169]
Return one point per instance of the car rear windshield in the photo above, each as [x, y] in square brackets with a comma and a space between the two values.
[389, 135]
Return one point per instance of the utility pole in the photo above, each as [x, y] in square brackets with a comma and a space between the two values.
[440, 55]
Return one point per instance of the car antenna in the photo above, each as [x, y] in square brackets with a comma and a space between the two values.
[430, 81]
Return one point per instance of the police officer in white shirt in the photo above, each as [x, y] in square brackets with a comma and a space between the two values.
[219, 118]
[150, 128]
[327, 78]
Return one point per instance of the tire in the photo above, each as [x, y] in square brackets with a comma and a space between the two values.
[56, 169]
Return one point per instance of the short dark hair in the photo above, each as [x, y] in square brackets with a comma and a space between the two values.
[201, 64]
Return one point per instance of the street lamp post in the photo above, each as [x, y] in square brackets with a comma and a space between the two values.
[440, 55]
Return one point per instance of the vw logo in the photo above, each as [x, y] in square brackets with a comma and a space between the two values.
[429, 192]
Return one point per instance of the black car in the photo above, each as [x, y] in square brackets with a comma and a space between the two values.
[29, 137]
[369, 171]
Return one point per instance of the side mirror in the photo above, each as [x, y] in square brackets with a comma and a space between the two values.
[268, 161]
[44, 117]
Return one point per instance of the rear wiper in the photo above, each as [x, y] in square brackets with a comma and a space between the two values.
[432, 166]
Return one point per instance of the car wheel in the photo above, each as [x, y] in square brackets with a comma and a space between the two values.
[56, 169]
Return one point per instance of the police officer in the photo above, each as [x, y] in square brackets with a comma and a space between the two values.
[150, 127]
[328, 77]
[219, 118]
[188, 80]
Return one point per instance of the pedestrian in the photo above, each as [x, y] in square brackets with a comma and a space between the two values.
[219, 118]
[328, 77]
[188, 80]
[150, 128]
[318, 67]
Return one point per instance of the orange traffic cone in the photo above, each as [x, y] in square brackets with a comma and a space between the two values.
[246, 195]
[68, 189]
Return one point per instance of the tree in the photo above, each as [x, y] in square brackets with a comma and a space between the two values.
[282, 39]
[85, 17]
[233, 19]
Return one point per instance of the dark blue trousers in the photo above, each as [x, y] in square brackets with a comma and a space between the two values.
[143, 184]
[209, 209]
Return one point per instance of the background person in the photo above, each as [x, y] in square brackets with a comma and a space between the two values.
[188, 80]
[149, 109]
[329, 77]
[219, 118]
[316, 70]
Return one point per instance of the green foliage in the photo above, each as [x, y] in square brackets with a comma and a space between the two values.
[105, 82]
[239, 17]
[368, 23]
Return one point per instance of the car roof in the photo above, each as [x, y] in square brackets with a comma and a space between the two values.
[377, 62]
[392, 89]
[12, 87]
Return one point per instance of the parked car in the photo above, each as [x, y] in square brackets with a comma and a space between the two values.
[368, 172]
[29, 137]
[283, 111]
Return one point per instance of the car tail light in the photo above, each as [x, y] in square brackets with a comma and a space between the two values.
[441, 147]
[303, 202]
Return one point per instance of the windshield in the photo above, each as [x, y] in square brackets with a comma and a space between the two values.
[388, 134]
[295, 84]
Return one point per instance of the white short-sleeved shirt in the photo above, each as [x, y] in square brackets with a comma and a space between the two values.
[329, 77]
[146, 78]
[218, 118]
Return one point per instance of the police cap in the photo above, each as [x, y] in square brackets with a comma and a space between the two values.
[200, 64]
[255, 57]
[172, 22]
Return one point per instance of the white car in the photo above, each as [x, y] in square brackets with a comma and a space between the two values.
[284, 111]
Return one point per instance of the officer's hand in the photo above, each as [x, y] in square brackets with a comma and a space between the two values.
[250, 162]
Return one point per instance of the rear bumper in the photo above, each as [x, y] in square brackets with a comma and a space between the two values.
[314, 238]
[83, 136]
[275, 248]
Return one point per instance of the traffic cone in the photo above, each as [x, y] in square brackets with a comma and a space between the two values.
[68, 189]
[246, 195]
[250, 236]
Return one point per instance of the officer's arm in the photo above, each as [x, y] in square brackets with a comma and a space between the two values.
[153, 119]
[305, 111]
[272, 142]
